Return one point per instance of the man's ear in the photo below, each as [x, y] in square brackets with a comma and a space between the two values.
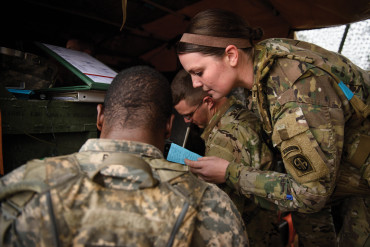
[169, 126]
[100, 116]
[232, 55]
[209, 101]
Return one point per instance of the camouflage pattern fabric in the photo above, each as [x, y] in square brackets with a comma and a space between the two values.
[112, 213]
[311, 123]
[33, 71]
[355, 212]
[315, 229]
[233, 134]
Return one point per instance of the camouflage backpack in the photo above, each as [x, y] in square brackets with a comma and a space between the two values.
[59, 205]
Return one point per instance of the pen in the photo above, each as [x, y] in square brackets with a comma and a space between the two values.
[186, 136]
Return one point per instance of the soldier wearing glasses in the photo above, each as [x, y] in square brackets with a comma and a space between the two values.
[231, 132]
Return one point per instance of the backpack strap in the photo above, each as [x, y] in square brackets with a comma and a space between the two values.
[258, 94]
[171, 173]
[177, 225]
[128, 160]
[14, 197]
[17, 196]
[33, 181]
[362, 110]
[193, 190]
[39, 177]
[23, 186]
[162, 166]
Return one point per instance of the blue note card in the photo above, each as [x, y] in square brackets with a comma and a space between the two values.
[178, 154]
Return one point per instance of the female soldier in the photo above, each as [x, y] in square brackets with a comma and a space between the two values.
[303, 95]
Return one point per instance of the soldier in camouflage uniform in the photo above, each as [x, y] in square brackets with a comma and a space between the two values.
[231, 132]
[314, 106]
[143, 193]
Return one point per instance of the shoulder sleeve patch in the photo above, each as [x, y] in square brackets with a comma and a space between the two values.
[302, 164]
[299, 152]
[302, 160]
[287, 150]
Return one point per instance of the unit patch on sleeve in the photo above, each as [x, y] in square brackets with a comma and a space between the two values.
[289, 149]
[302, 164]
[300, 150]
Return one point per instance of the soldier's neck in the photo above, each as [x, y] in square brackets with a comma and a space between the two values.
[138, 135]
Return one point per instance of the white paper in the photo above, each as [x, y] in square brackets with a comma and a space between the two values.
[88, 65]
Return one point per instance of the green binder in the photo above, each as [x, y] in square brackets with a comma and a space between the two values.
[95, 74]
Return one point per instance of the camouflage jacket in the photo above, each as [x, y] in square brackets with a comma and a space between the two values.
[307, 118]
[234, 134]
[217, 220]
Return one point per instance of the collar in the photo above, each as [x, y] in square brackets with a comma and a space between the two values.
[112, 145]
[229, 105]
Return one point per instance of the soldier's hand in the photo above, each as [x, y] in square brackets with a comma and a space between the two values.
[211, 169]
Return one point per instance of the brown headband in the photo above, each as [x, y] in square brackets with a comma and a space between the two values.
[211, 41]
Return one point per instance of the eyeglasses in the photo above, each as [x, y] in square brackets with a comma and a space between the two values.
[190, 115]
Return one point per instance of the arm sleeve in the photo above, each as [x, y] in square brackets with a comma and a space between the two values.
[309, 136]
[33, 227]
[218, 221]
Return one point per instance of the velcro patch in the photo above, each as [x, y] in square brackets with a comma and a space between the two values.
[301, 154]
[302, 160]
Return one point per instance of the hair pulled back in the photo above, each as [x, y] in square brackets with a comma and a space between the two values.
[218, 23]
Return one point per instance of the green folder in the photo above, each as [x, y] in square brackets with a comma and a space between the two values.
[95, 74]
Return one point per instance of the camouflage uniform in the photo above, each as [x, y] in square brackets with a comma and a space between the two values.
[218, 222]
[317, 132]
[233, 134]
[19, 68]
